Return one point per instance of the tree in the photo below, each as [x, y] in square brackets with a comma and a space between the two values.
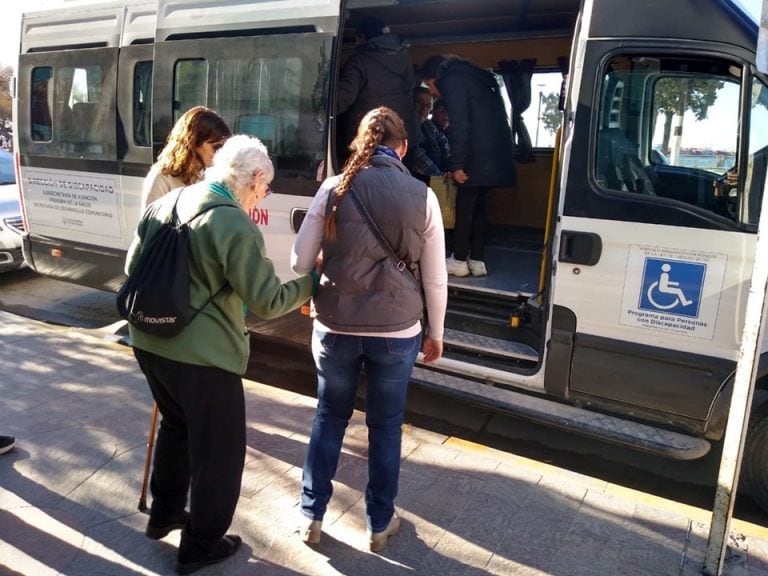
[551, 116]
[676, 95]
[6, 73]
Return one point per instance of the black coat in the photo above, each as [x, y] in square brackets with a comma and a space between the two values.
[479, 134]
[378, 73]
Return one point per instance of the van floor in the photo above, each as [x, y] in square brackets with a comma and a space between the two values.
[513, 260]
[511, 271]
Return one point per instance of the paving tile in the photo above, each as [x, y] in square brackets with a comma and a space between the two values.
[69, 491]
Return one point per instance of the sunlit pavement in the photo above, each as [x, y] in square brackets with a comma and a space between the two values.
[79, 408]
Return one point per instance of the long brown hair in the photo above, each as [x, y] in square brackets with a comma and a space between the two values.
[195, 127]
[380, 126]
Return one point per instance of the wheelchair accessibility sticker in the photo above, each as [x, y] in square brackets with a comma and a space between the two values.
[672, 286]
[673, 290]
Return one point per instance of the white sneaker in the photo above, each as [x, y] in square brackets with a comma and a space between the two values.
[477, 268]
[456, 267]
[310, 530]
[377, 540]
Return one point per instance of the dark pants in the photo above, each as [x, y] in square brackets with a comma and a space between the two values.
[201, 442]
[471, 220]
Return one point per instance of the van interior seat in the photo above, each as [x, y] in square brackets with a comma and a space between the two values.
[618, 164]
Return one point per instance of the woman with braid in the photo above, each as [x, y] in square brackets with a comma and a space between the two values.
[369, 312]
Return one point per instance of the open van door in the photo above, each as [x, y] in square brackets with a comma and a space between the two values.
[654, 256]
[265, 67]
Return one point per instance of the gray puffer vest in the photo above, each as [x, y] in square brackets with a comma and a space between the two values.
[361, 289]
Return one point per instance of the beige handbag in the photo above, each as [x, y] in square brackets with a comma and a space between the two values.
[445, 190]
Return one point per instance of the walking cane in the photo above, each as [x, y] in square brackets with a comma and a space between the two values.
[148, 463]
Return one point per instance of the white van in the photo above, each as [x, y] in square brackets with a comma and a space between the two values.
[619, 264]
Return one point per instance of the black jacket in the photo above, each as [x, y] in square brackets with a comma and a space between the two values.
[378, 73]
[479, 134]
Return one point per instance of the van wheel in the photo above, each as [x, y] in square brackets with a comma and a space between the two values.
[755, 461]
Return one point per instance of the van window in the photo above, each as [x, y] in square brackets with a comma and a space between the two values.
[272, 87]
[71, 110]
[80, 89]
[668, 129]
[263, 96]
[190, 85]
[142, 103]
[757, 159]
[40, 111]
[543, 117]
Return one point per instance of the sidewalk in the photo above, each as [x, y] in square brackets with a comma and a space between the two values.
[79, 408]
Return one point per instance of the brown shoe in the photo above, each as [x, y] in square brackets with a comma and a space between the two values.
[377, 540]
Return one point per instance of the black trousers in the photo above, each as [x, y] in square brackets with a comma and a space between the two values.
[471, 222]
[200, 445]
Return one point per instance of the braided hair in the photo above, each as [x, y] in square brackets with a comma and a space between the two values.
[380, 126]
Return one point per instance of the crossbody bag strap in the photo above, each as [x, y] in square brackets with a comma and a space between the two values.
[399, 263]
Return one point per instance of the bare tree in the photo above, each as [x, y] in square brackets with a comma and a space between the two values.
[6, 73]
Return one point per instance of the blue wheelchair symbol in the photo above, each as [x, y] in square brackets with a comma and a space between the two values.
[672, 286]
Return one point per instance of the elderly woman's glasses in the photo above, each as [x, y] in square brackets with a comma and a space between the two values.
[268, 190]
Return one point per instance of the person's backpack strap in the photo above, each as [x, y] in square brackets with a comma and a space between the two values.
[175, 221]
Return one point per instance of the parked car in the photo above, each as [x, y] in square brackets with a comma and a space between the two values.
[11, 226]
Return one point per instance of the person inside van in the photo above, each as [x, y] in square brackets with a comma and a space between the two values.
[481, 151]
[193, 141]
[369, 313]
[378, 73]
[440, 115]
[430, 157]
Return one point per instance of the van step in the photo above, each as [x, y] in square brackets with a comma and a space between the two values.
[488, 345]
[586, 422]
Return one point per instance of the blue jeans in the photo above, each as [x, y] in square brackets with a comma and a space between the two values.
[388, 363]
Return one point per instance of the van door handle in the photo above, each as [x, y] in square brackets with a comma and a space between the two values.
[580, 248]
[297, 217]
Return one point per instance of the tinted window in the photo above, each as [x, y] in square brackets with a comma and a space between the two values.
[668, 129]
[190, 86]
[142, 103]
[40, 110]
[71, 97]
[272, 87]
[757, 159]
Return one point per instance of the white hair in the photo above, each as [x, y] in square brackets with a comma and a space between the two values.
[238, 160]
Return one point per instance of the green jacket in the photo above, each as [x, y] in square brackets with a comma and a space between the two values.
[226, 247]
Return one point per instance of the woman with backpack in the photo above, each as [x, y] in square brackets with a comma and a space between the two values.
[380, 234]
[195, 376]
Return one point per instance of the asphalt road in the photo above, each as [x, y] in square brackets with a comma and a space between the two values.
[290, 366]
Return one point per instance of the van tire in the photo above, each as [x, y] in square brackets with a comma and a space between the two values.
[755, 462]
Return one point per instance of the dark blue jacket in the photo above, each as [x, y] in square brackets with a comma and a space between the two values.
[479, 134]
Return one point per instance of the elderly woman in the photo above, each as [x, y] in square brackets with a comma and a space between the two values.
[195, 377]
